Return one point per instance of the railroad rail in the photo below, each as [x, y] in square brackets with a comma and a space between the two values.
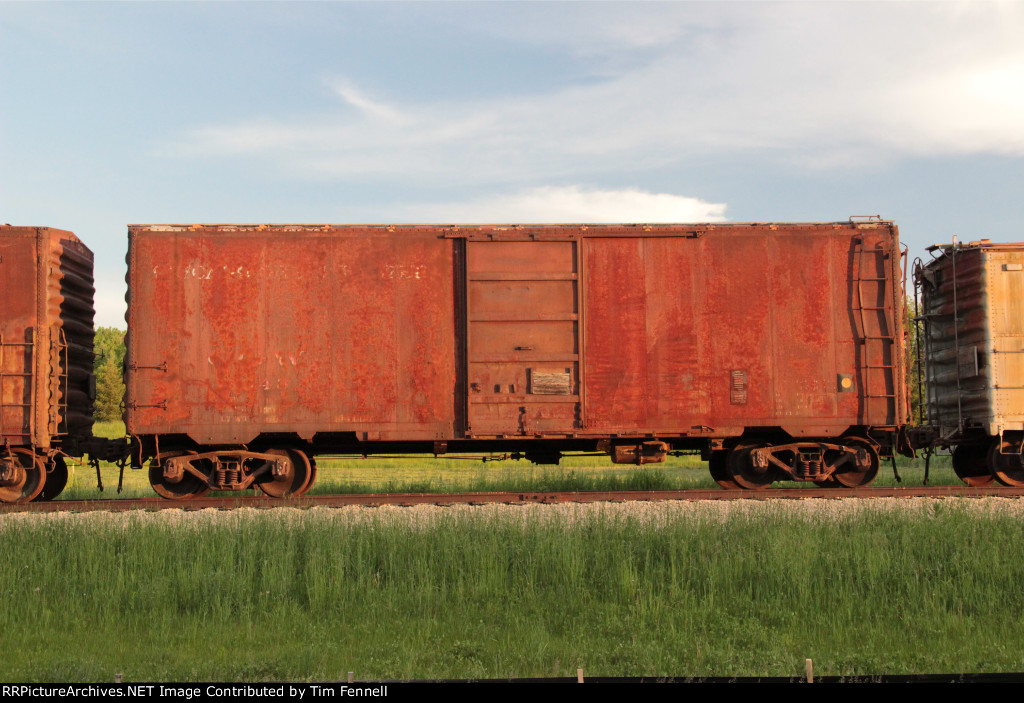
[508, 498]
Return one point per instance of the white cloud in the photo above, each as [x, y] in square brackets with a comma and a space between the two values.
[976, 108]
[820, 84]
[569, 204]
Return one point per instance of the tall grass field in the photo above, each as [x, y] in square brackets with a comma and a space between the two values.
[667, 589]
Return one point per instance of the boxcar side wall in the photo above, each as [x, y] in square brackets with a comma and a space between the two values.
[1004, 276]
[498, 334]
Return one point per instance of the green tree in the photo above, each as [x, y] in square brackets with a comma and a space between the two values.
[108, 346]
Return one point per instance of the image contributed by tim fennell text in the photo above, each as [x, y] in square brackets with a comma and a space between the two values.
[190, 692]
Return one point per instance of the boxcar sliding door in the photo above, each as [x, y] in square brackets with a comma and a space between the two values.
[522, 344]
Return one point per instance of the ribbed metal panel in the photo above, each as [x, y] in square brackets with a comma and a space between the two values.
[70, 312]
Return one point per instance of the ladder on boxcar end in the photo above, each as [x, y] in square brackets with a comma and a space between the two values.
[6, 377]
[869, 269]
[57, 411]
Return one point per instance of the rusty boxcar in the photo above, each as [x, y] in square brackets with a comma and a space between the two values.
[776, 350]
[973, 315]
[46, 363]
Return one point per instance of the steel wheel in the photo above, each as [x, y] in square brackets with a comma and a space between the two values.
[31, 479]
[190, 485]
[852, 475]
[56, 480]
[744, 473]
[970, 463]
[1006, 468]
[720, 472]
[312, 475]
[296, 480]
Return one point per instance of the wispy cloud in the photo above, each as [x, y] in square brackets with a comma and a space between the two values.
[370, 108]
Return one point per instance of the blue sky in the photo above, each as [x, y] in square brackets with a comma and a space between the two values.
[381, 112]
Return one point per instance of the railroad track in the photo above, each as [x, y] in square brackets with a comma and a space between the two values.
[508, 498]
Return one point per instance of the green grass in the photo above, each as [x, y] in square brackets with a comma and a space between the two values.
[82, 479]
[427, 475]
[573, 474]
[312, 596]
[111, 430]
